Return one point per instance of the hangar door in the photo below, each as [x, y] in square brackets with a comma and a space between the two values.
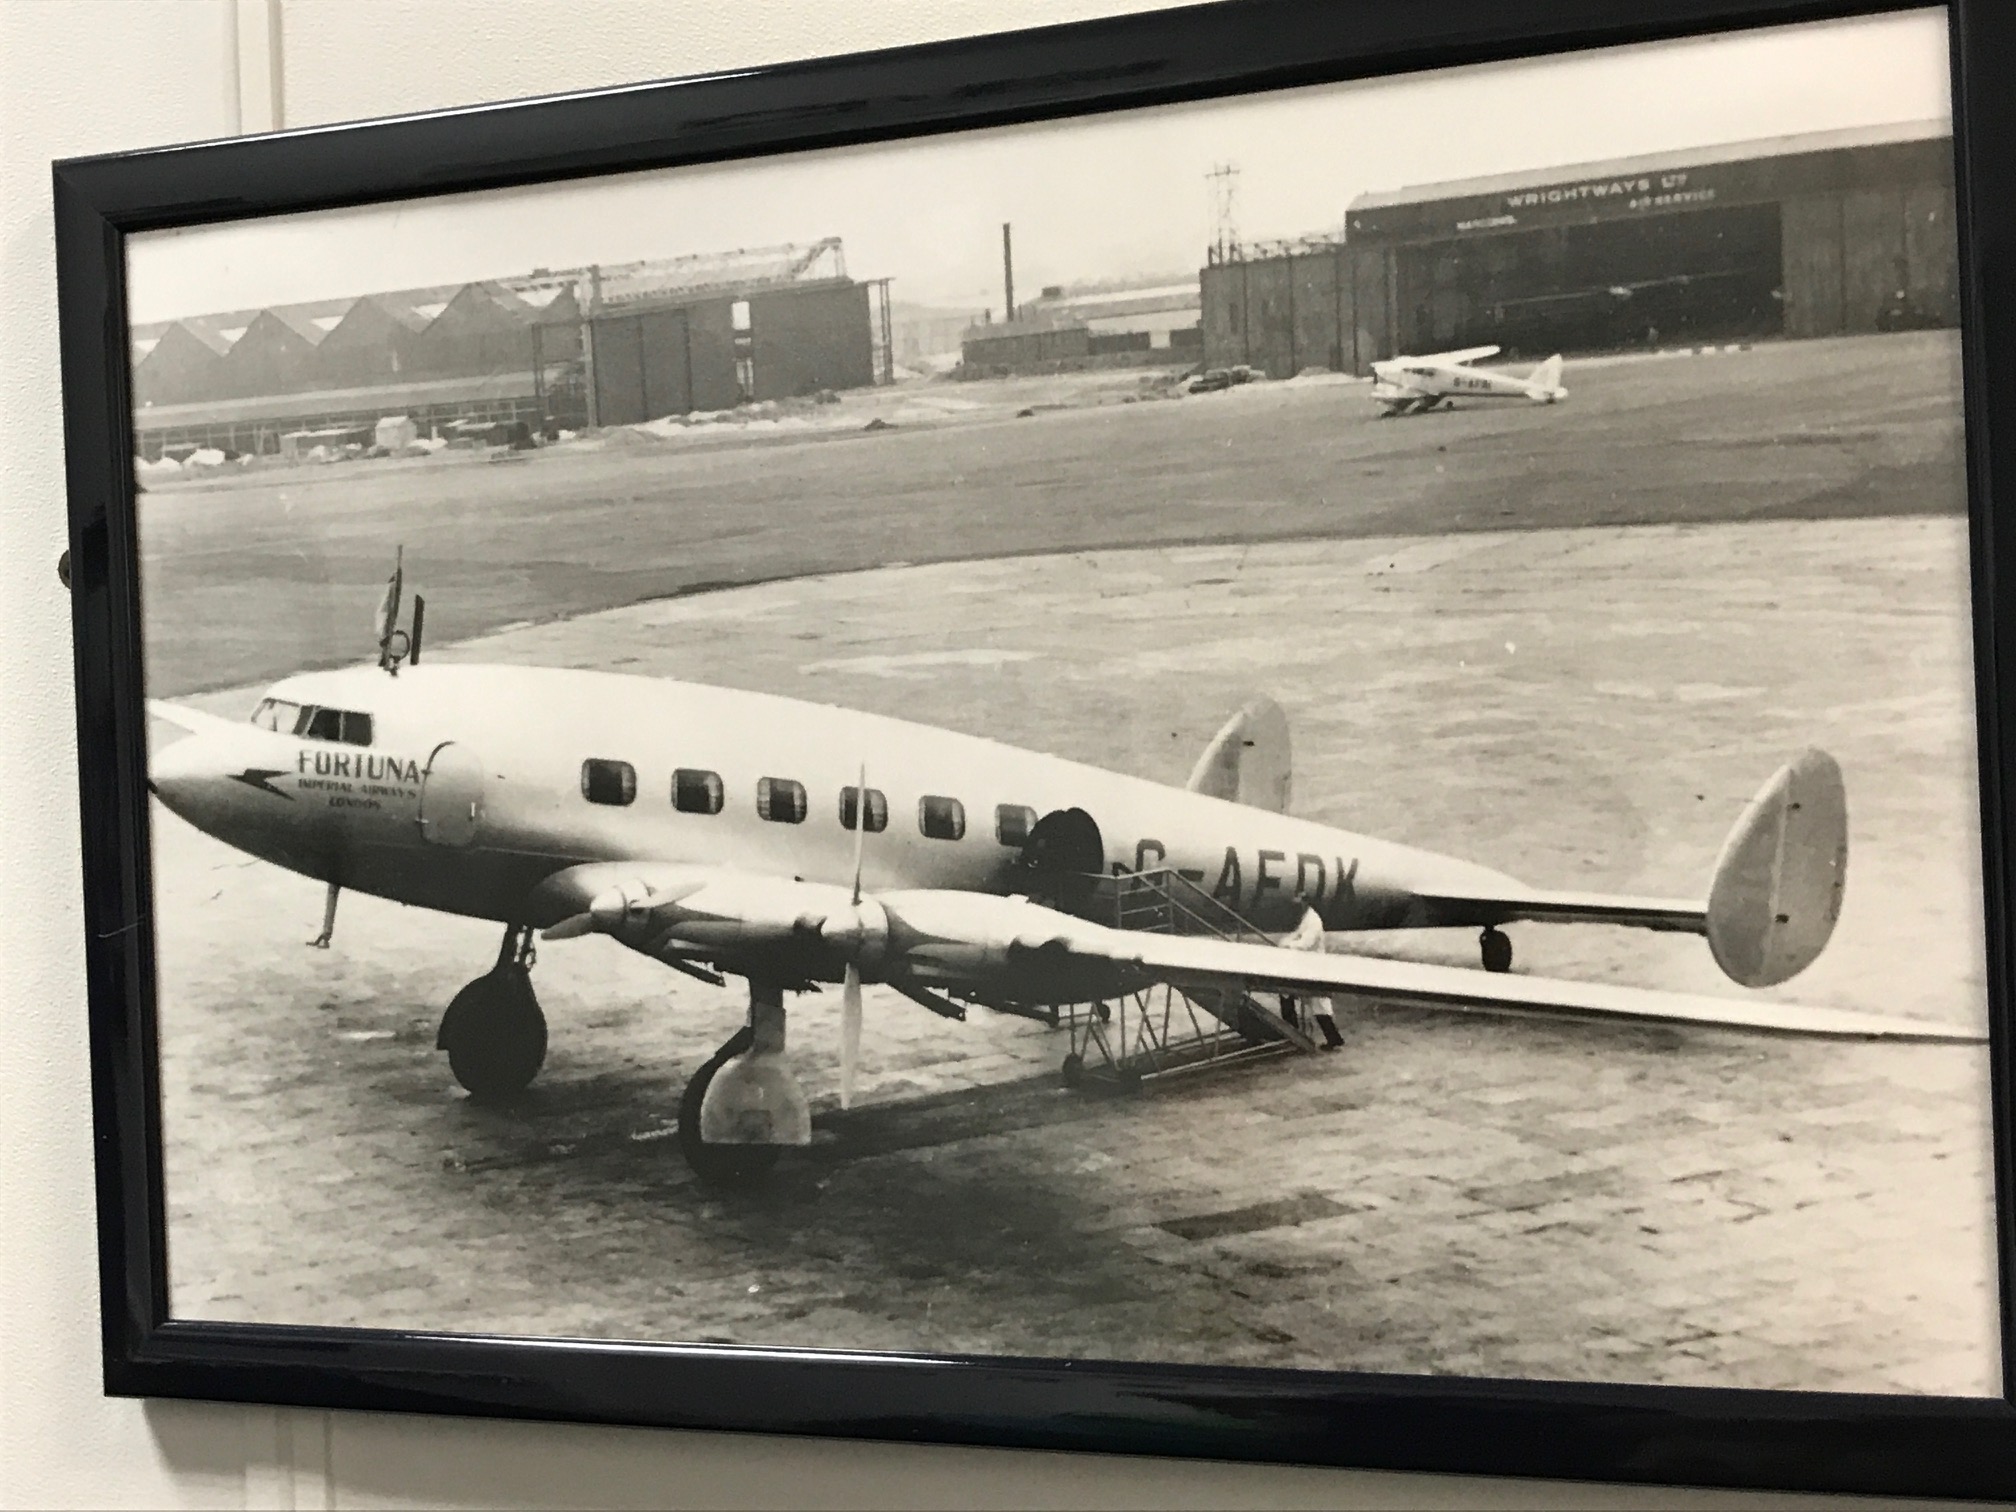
[643, 366]
[1697, 275]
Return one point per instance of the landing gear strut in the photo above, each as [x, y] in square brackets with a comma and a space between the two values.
[743, 1106]
[321, 941]
[494, 1031]
[1496, 948]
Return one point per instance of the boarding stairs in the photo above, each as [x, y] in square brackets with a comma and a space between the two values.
[1164, 1031]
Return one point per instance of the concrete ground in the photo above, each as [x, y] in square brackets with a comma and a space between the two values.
[1586, 707]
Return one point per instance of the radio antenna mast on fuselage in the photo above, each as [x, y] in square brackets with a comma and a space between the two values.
[396, 645]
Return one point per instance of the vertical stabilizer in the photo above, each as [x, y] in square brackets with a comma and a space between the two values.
[1778, 883]
[1249, 760]
[1544, 382]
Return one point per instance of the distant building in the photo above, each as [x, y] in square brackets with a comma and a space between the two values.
[176, 361]
[710, 332]
[1010, 346]
[275, 353]
[273, 424]
[484, 328]
[1159, 307]
[1813, 235]
[376, 341]
[1114, 323]
[676, 334]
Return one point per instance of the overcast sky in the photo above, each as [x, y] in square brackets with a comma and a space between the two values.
[1113, 196]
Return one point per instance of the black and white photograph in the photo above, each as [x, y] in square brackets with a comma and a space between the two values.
[1331, 729]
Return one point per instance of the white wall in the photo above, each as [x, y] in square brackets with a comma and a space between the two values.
[82, 76]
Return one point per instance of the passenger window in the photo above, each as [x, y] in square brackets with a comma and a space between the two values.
[878, 809]
[941, 818]
[696, 792]
[780, 800]
[610, 782]
[1012, 823]
[276, 714]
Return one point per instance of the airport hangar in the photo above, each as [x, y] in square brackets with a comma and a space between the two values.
[1821, 234]
[609, 345]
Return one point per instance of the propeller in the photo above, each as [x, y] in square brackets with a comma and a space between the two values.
[850, 982]
[388, 607]
[387, 624]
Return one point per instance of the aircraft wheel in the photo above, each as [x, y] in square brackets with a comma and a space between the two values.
[720, 1165]
[1496, 949]
[495, 1034]
[1074, 1070]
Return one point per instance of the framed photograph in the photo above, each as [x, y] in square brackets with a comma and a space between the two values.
[1272, 731]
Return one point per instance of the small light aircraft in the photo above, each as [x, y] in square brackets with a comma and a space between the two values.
[1414, 385]
[793, 844]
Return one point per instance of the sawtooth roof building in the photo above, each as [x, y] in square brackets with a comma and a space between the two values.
[605, 345]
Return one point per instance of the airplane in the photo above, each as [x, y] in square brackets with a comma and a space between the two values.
[1415, 385]
[724, 832]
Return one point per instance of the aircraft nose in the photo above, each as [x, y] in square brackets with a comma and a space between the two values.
[190, 775]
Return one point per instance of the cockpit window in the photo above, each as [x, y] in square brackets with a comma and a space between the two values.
[340, 725]
[277, 714]
[344, 726]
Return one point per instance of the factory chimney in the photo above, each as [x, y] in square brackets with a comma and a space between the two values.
[1008, 267]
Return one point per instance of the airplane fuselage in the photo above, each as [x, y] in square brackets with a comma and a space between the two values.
[479, 782]
[1422, 379]
[1422, 383]
[709, 827]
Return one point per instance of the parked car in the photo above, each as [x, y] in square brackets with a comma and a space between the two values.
[1213, 379]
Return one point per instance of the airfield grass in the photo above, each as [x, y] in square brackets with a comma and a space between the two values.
[250, 577]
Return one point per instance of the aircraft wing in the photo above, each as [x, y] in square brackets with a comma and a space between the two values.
[1010, 947]
[1462, 356]
[1225, 964]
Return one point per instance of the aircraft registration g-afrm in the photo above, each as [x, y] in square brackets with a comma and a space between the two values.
[791, 844]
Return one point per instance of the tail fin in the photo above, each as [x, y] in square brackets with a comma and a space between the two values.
[1248, 760]
[1778, 882]
[1545, 381]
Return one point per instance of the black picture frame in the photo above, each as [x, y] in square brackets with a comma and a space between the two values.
[1805, 1441]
